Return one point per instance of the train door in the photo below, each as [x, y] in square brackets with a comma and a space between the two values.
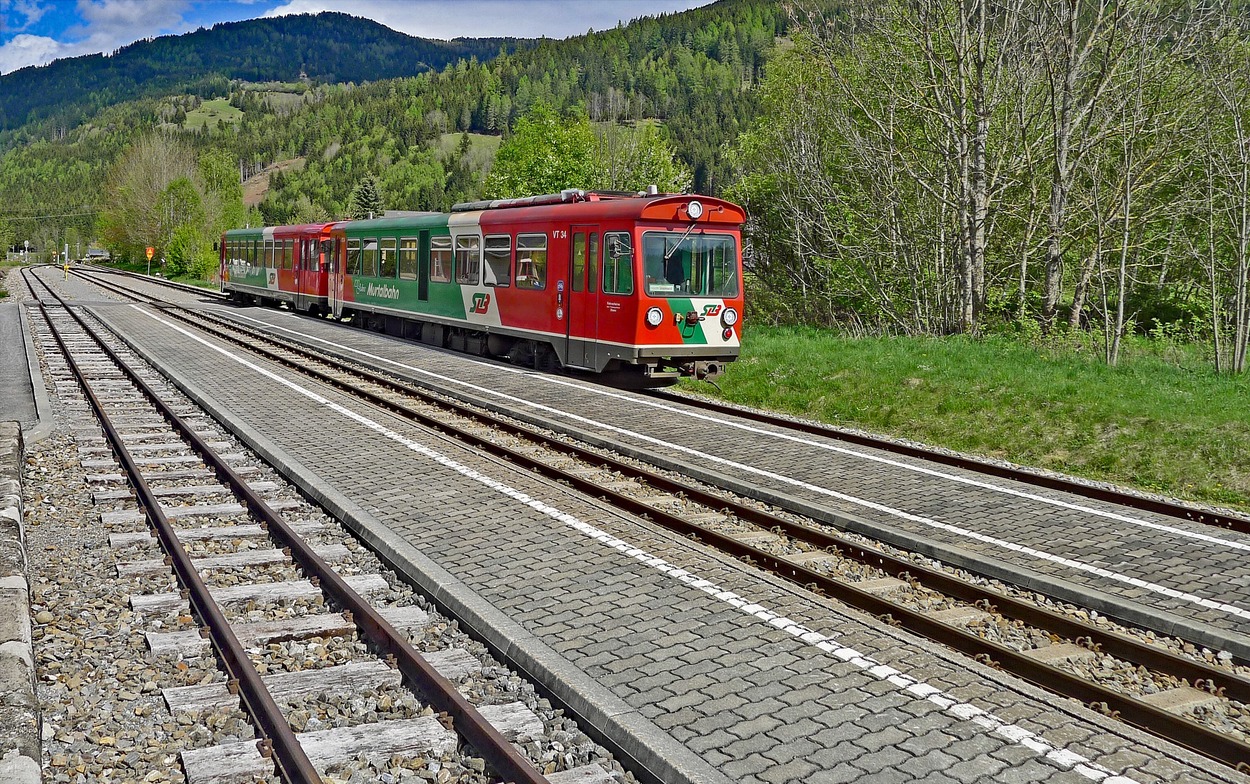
[305, 259]
[423, 267]
[334, 289]
[582, 305]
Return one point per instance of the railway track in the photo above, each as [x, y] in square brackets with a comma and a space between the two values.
[1162, 506]
[1121, 672]
[211, 519]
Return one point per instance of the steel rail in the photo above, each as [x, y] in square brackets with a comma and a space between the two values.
[498, 752]
[1016, 474]
[285, 748]
[1111, 495]
[173, 284]
[1176, 728]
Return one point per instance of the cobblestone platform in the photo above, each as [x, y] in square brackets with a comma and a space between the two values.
[699, 668]
[1174, 576]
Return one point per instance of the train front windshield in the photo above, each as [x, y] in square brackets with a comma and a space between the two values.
[679, 264]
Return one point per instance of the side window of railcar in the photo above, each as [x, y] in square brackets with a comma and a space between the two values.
[369, 258]
[618, 263]
[270, 261]
[440, 259]
[468, 260]
[579, 259]
[408, 259]
[498, 267]
[387, 252]
[531, 261]
[591, 258]
[353, 257]
[288, 254]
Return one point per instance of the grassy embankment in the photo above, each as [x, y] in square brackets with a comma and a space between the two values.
[1162, 421]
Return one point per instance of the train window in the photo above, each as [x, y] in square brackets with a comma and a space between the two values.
[369, 258]
[618, 263]
[353, 257]
[408, 259]
[387, 259]
[591, 258]
[579, 259]
[679, 264]
[440, 259]
[498, 267]
[468, 260]
[288, 254]
[531, 261]
[249, 249]
[326, 258]
[271, 260]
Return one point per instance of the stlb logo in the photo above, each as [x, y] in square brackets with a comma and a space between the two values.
[481, 303]
[711, 310]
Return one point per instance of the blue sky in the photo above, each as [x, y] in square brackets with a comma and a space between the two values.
[35, 32]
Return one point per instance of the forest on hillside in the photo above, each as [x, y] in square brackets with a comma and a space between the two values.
[328, 47]
[688, 77]
[1031, 167]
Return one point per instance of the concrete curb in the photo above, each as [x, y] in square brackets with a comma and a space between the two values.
[20, 749]
[651, 754]
[43, 406]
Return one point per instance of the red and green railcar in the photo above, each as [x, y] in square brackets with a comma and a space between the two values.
[641, 288]
[278, 264]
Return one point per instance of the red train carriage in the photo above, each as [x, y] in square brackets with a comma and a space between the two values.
[278, 264]
[641, 289]
[645, 288]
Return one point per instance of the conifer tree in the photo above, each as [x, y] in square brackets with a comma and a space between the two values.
[366, 199]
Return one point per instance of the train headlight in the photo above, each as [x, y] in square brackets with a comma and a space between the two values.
[654, 317]
[694, 209]
[729, 317]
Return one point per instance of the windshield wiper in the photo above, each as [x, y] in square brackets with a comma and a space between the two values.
[669, 255]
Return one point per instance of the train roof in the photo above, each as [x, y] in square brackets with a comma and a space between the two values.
[280, 231]
[567, 206]
[586, 207]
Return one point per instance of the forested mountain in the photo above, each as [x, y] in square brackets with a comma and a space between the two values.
[327, 47]
[692, 73]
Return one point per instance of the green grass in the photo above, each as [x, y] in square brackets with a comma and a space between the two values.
[209, 112]
[1167, 424]
[482, 147]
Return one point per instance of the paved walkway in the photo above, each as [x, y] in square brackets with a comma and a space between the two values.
[1174, 576]
[706, 669]
[17, 398]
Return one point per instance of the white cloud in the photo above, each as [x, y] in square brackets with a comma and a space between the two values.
[30, 11]
[24, 50]
[105, 26]
[109, 24]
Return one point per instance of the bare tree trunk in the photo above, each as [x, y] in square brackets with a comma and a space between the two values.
[1082, 49]
[1080, 292]
[1216, 327]
[1113, 356]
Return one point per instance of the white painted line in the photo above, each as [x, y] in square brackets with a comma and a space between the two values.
[959, 531]
[960, 710]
